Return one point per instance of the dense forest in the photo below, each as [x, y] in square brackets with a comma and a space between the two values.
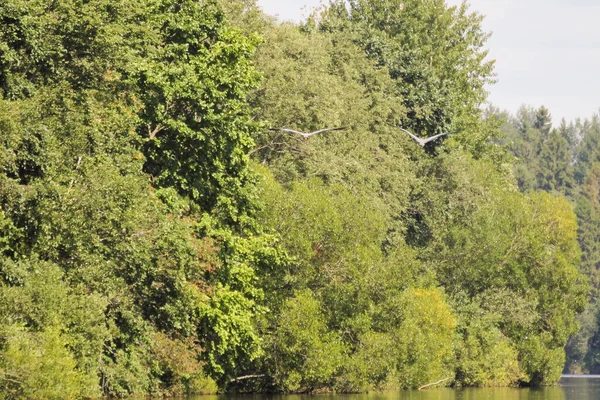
[158, 237]
[565, 161]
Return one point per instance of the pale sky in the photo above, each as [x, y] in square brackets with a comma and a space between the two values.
[547, 52]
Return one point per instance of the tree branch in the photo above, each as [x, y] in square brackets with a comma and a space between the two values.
[76, 168]
[433, 383]
[152, 134]
[239, 378]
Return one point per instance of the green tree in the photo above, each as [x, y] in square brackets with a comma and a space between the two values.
[479, 234]
[555, 170]
[195, 117]
[435, 56]
[586, 153]
[370, 219]
[306, 355]
[159, 255]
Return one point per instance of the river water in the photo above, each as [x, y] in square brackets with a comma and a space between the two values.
[570, 387]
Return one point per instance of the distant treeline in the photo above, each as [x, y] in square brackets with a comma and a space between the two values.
[157, 237]
[564, 160]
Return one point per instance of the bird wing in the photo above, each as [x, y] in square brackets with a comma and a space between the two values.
[325, 130]
[429, 139]
[287, 130]
[418, 139]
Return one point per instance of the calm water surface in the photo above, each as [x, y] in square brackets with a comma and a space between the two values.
[569, 388]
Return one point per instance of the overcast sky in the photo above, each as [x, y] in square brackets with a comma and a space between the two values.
[547, 52]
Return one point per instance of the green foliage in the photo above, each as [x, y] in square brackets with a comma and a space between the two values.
[195, 118]
[324, 225]
[306, 355]
[483, 235]
[435, 57]
[544, 154]
[588, 212]
[542, 362]
[583, 349]
[486, 356]
[386, 329]
[424, 338]
[371, 220]
[372, 364]
[586, 151]
[39, 365]
[143, 252]
[137, 247]
[314, 79]
[563, 160]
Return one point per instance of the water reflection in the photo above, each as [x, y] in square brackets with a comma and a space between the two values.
[578, 387]
[569, 388]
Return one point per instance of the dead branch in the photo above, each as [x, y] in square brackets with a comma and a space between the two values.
[433, 383]
[239, 378]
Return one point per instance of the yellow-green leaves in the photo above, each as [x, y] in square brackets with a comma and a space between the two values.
[306, 354]
[424, 338]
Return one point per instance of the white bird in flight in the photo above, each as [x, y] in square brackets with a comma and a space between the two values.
[423, 142]
[306, 135]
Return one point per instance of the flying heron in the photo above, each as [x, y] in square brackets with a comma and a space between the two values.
[305, 135]
[423, 142]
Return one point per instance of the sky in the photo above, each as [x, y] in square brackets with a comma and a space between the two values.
[547, 52]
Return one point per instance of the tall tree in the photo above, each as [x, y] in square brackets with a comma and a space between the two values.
[435, 55]
[124, 179]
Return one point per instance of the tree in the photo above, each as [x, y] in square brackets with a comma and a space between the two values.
[435, 56]
[555, 170]
[158, 260]
[484, 236]
[195, 116]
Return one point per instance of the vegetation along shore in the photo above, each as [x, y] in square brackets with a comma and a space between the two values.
[197, 198]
